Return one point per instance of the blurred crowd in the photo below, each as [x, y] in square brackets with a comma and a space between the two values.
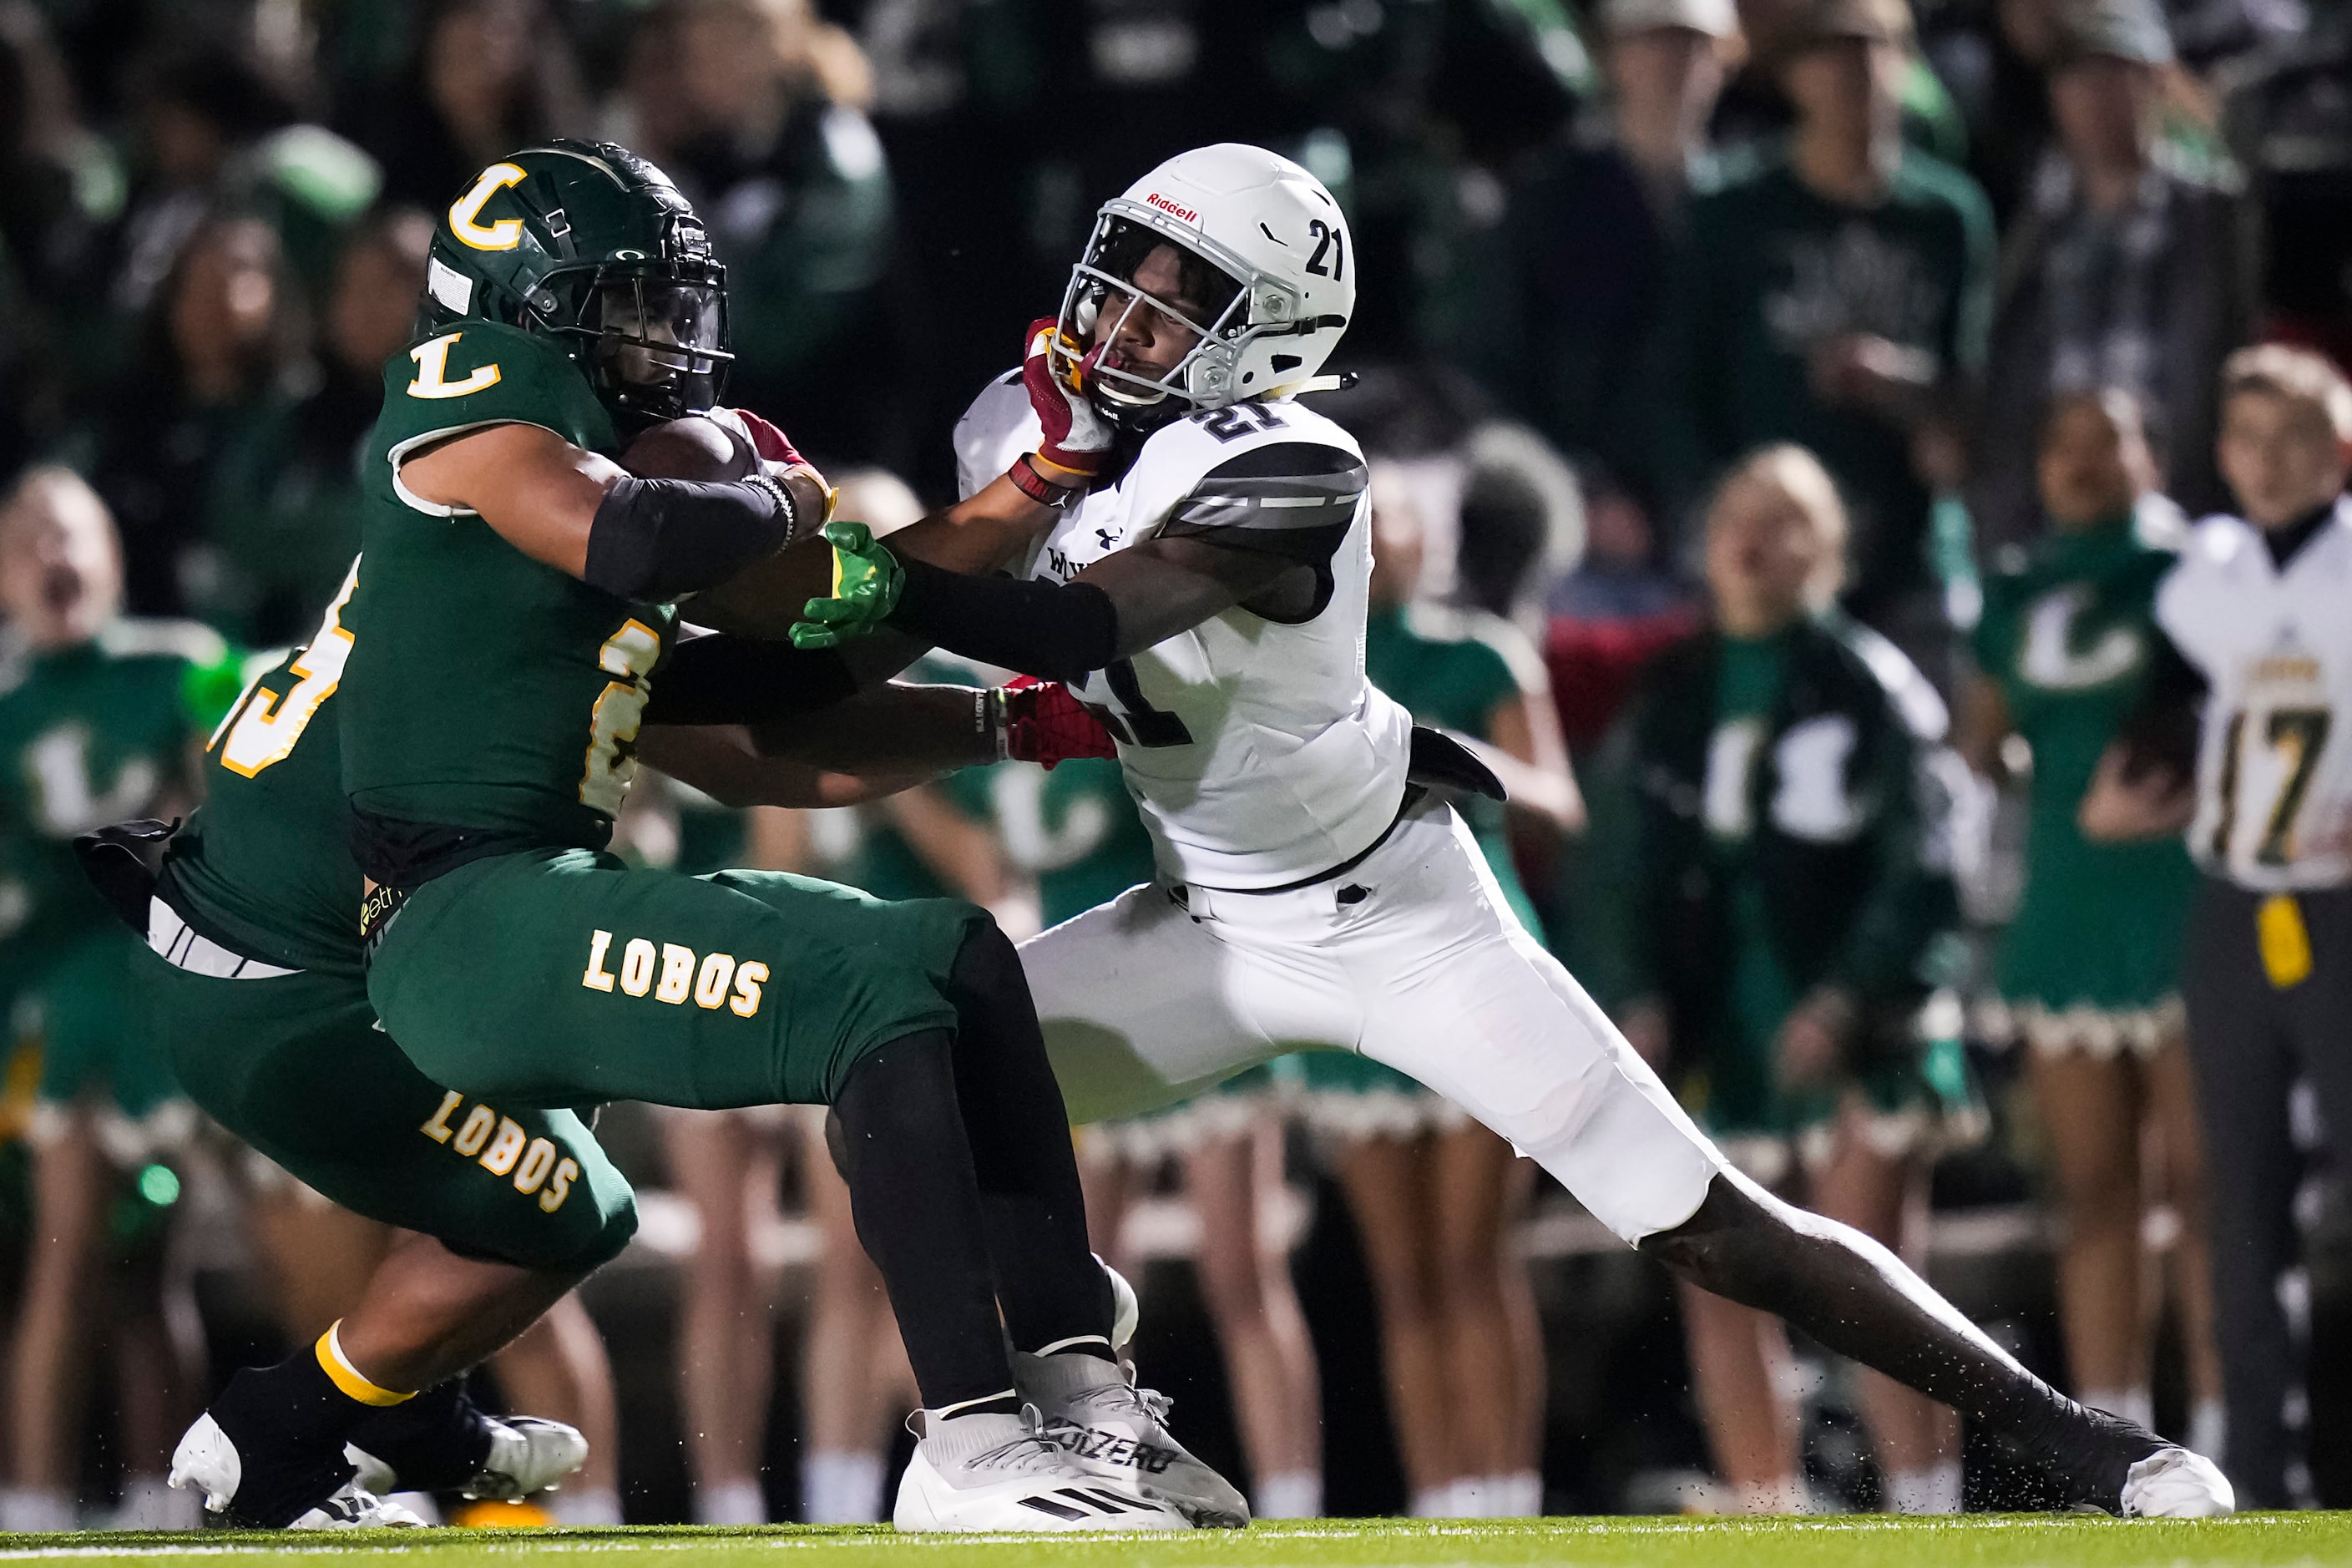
[1782, 415]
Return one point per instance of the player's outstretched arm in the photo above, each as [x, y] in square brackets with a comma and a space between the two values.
[1056, 631]
[644, 540]
[977, 534]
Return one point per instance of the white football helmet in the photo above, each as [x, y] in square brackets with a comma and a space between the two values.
[1268, 227]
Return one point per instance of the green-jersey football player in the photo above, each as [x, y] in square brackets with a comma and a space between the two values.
[517, 591]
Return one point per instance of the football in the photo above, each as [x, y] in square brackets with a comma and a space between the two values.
[694, 447]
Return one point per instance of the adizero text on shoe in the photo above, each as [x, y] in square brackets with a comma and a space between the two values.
[1117, 1432]
[208, 1463]
[2175, 1483]
[980, 1473]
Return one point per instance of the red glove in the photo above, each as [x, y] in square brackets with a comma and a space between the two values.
[1043, 723]
[1078, 439]
[772, 444]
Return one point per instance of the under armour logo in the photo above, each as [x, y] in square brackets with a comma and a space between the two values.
[1107, 535]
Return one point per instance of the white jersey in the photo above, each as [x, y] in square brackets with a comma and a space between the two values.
[2274, 762]
[1258, 749]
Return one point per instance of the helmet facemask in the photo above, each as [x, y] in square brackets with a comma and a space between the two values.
[660, 349]
[1102, 296]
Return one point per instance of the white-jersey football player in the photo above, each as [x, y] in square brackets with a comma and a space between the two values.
[1204, 588]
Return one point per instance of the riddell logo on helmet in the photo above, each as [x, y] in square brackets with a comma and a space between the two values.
[1155, 200]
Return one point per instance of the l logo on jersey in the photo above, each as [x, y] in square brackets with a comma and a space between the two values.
[432, 357]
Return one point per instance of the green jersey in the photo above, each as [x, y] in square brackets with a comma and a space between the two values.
[536, 746]
[1450, 668]
[2066, 633]
[96, 734]
[265, 866]
[1076, 828]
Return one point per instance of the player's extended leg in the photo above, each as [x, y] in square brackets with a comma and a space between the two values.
[523, 1206]
[1916, 1440]
[1495, 1024]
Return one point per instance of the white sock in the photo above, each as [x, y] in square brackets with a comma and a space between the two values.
[731, 1502]
[1517, 1495]
[2209, 1428]
[840, 1486]
[589, 1506]
[1789, 1496]
[1936, 1489]
[1470, 1498]
[1293, 1494]
[2131, 1404]
[1434, 1502]
[29, 1509]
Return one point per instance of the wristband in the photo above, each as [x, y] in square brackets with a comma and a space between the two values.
[1036, 487]
[784, 504]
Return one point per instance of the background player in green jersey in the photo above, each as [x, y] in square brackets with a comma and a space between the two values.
[2087, 967]
[100, 717]
[514, 957]
[1789, 904]
[1435, 1195]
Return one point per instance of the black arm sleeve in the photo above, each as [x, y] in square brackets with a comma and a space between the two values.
[654, 539]
[722, 679]
[1055, 631]
[1292, 499]
[2161, 731]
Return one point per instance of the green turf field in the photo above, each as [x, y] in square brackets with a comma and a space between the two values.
[1979, 1541]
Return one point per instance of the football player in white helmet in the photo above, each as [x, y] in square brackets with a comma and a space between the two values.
[1203, 589]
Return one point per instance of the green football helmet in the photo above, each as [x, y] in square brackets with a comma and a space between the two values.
[589, 245]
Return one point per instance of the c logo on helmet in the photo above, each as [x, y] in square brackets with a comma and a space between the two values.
[503, 235]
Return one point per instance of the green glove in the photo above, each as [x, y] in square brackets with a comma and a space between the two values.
[867, 580]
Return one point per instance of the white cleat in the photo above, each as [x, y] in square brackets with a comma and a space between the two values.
[982, 1473]
[1116, 1431]
[208, 1462]
[527, 1455]
[2175, 1483]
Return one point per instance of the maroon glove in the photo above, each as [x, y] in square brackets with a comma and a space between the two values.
[1078, 440]
[1043, 723]
[772, 444]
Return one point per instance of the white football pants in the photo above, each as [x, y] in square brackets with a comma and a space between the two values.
[1147, 1000]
